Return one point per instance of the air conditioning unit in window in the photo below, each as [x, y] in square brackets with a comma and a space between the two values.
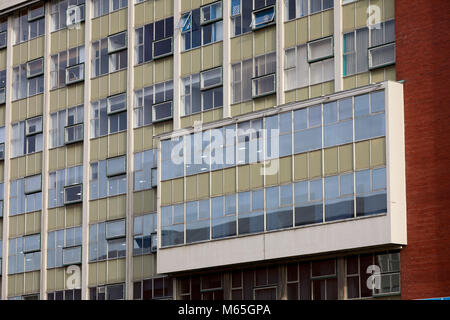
[154, 242]
[74, 15]
[75, 73]
[74, 133]
[73, 194]
[162, 48]
[382, 56]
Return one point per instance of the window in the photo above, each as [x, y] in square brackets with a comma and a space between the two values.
[143, 44]
[107, 240]
[3, 33]
[172, 166]
[241, 16]
[144, 234]
[338, 122]
[29, 23]
[369, 116]
[23, 86]
[300, 73]
[197, 221]
[223, 216]
[116, 166]
[66, 12]
[70, 294]
[151, 289]
[145, 170]
[60, 186]
[26, 137]
[2, 196]
[279, 207]
[263, 81]
[145, 98]
[172, 225]
[320, 49]
[66, 126]
[64, 247]
[117, 103]
[75, 74]
[241, 81]
[25, 195]
[109, 54]
[67, 67]
[2, 86]
[117, 42]
[2, 143]
[102, 122]
[339, 203]
[109, 292]
[102, 185]
[369, 48]
[163, 41]
[190, 95]
[201, 26]
[24, 254]
[251, 211]
[263, 18]
[371, 195]
[102, 7]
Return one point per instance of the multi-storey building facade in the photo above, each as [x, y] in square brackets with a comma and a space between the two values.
[203, 149]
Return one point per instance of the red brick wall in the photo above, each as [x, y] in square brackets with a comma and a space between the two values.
[423, 62]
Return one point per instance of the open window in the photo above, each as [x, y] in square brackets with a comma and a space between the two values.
[75, 14]
[162, 111]
[117, 103]
[115, 229]
[32, 243]
[117, 42]
[320, 49]
[33, 184]
[36, 12]
[382, 56]
[72, 255]
[75, 73]
[34, 126]
[3, 38]
[116, 166]
[35, 68]
[162, 48]
[74, 133]
[2, 95]
[2, 151]
[211, 13]
[185, 22]
[264, 79]
[211, 78]
[73, 194]
[263, 17]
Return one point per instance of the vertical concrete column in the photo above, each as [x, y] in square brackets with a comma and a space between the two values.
[86, 149]
[176, 65]
[338, 81]
[130, 149]
[280, 52]
[45, 153]
[226, 59]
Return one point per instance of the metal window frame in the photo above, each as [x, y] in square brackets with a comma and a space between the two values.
[2, 151]
[155, 57]
[369, 55]
[188, 18]
[73, 201]
[117, 236]
[260, 26]
[81, 78]
[202, 20]
[212, 86]
[6, 39]
[66, 142]
[274, 75]
[29, 19]
[71, 248]
[27, 134]
[33, 250]
[154, 120]
[308, 54]
[2, 95]
[108, 105]
[153, 242]
[81, 7]
[37, 74]
[110, 50]
[116, 174]
[33, 191]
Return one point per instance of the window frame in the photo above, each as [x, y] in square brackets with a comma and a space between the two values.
[308, 50]
[30, 76]
[66, 202]
[202, 20]
[125, 47]
[115, 174]
[271, 22]
[81, 73]
[27, 133]
[370, 54]
[202, 87]
[154, 119]
[108, 104]
[81, 6]
[155, 57]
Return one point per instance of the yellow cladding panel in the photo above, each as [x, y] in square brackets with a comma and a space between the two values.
[229, 180]
[2, 59]
[378, 152]
[236, 49]
[328, 23]
[177, 190]
[218, 54]
[216, 183]
[191, 188]
[137, 268]
[315, 164]
[159, 70]
[349, 82]
[247, 46]
[203, 185]
[315, 23]
[117, 207]
[149, 265]
[149, 11]
[196, 60]
[270, 39]
[2, 115]
[289, 34]
[348, 17]
[259, 38]
[362, 155]
[243, 178]
[316, 90]
[286, 169]
[159, 9]
[331, 161]
[389, 9]
[272, 171]
[207, 59]
[186, 63]
[257, 175]
[361, 13]
[345, 158]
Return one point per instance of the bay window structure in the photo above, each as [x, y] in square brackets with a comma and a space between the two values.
[28, 79]
[62, 12]
[109, 54]
[25, 195]
[154, 40]
[24, 254]
[108, 292]
[153, 103]
[309, 64]
[65, 186]
[67, 67]
[66, 126]
[300, 8]
[369, 48]
[144, 234]
[107, 240]
[145, 170]
[159, 288]
[201, 26]
[26, 137]
[102, 7]
[29, 23]
[263, 81]
[109, 115]
[202, 92]
[108, 178]
[64, 247]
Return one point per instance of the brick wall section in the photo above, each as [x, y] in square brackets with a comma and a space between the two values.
[423, 62]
